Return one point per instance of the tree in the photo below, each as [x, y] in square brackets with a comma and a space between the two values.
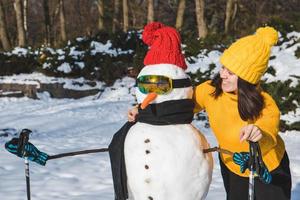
[180, 14]
[48, 39]
[201, 24]
[231, 9]
[116, 23]
[25, 13]
[125, 16]
[3, 30]
[150, 16]
[20, 22]
[260, 6]
[137, 10]
[62, 21]
[100, 5]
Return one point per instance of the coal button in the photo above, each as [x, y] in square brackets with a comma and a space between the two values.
[148, 180]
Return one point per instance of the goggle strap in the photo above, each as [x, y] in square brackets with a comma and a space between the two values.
[181, 83]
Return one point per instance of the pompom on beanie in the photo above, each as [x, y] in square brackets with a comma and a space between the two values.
[165, 45]
[248, 57]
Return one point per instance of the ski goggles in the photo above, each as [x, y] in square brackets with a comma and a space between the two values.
[160, 84]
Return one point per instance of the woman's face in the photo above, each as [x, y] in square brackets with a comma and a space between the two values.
[229, 80]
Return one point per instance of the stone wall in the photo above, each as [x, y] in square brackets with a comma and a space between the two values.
[56, 90]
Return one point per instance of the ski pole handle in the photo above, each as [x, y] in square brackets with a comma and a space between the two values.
[23, 140]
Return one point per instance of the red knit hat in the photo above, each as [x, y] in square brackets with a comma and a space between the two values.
[164, 42]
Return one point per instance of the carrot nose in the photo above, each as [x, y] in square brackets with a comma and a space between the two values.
[149, 98]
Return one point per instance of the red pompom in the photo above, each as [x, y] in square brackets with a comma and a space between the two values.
[149, 30]
[165, 45]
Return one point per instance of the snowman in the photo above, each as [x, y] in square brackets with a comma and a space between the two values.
[163, 152]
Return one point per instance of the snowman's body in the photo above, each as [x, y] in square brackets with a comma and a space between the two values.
[166, 162]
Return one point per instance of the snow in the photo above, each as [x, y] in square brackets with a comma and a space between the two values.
[80, 64]
[286, 64]
[47, 65]
[292, 116]
[62, 57]
[20, 51]
[203, 61]
[64, 67]
[52, 51]
[79, 39]
[75, 54]
[61, 126]
[71, 125]
[60, 52]
[107, 48]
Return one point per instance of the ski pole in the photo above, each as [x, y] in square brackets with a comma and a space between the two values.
[251, 166]
[23, 140]
[74, 153]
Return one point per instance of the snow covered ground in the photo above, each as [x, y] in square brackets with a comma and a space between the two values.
[70, 125]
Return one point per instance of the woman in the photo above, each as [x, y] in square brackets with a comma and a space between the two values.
[239, 111]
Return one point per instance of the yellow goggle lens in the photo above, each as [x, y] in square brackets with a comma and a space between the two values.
[154, 83]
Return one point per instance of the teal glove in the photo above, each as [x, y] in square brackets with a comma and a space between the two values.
[30, 151]
[242, 159]
[264, 174]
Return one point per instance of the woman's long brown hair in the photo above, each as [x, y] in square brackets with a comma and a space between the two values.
[250, 100]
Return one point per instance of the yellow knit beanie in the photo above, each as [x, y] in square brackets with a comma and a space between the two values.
[248, 57]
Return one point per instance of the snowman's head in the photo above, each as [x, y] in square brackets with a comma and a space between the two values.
[172, 84]
[163, 77]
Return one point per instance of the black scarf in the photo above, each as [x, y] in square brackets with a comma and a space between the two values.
[166, 113]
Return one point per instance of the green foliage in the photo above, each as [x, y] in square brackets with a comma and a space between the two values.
[193, 45]
[127, 50]
[282, 25]
[16, 64]
[193, 48]
[297, 52]
[80, 55]
[271, 70]
[287, 99]
[104, 67]
[288, 127]
[200, 77]
[138, 58]
[102, 36]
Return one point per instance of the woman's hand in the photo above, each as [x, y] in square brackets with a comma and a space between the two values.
[132, 113]
[251, 133]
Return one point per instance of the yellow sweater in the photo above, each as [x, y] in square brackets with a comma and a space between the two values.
[226, 123]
